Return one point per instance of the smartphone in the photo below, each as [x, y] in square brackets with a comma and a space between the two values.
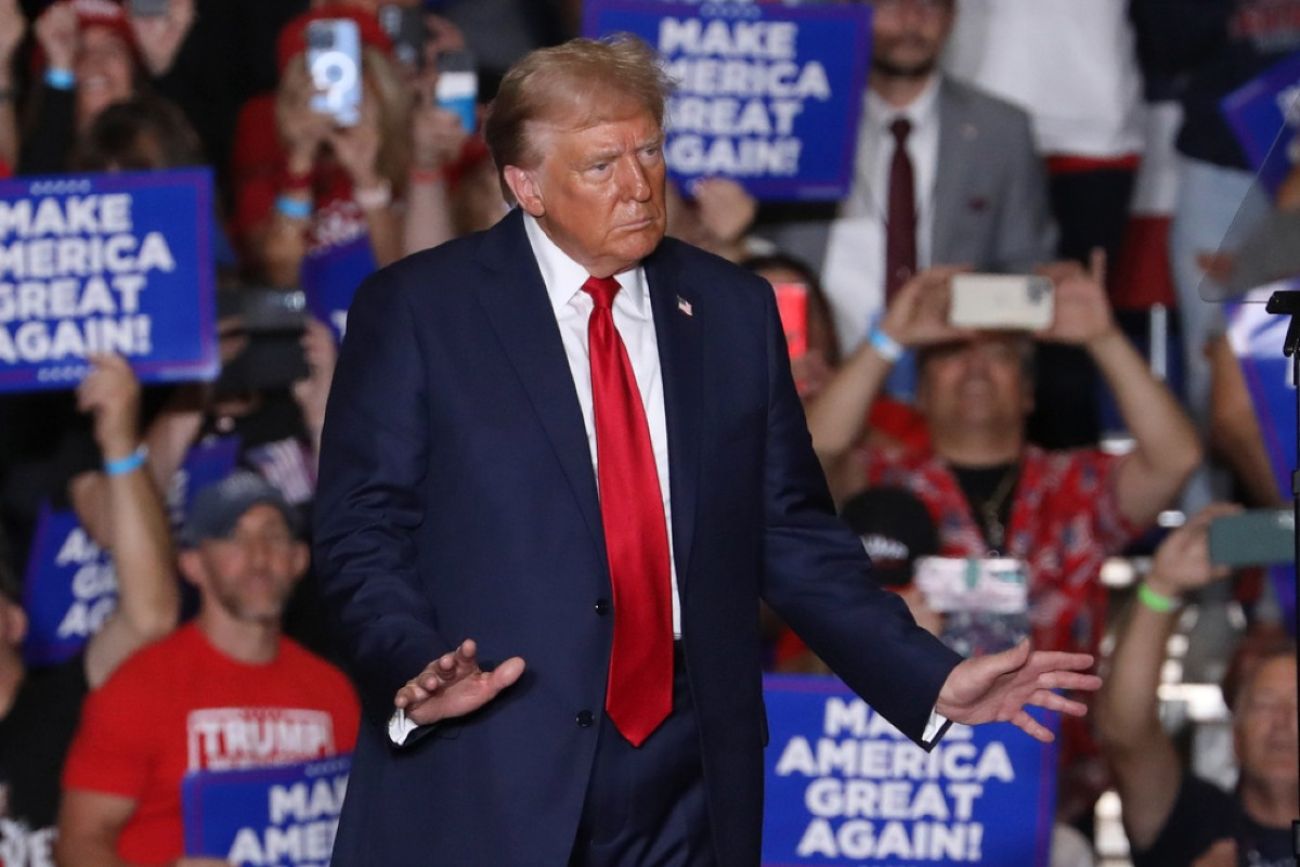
[792, 305]
[334, 59]
[457, 88]
[1257, 537]
[1018, 302]
[405, 27]
[264, 308]
[272, 321]
[149, 8]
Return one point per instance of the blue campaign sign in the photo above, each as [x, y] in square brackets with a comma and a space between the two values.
[330, 278]
[207, 462]
[106, 263]
[767, 94]
[843, 786]
[1256, 337]
[281, 815]
[1261, 109]
[70, 588]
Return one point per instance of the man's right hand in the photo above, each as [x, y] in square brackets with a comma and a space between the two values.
[111, 393]
[1182, 562]
[453, 685]
[56, 31]
[918, 314]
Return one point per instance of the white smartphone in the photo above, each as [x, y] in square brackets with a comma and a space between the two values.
[1019, 302]
[334, 59]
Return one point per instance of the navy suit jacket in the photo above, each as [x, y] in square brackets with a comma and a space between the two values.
[457, 500]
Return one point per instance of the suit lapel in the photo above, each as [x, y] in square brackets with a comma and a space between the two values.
[520, 312]
[677, 316]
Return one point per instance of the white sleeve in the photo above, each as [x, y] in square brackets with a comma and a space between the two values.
[935, 729]
[400, 728]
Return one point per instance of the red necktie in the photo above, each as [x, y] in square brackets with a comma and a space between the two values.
[639, 695]
[900, 228]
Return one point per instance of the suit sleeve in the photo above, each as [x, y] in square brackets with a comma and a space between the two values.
[369, 502]
[818, 577]
[1027, 234]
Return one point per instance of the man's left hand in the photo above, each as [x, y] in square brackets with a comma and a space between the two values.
[998, 687]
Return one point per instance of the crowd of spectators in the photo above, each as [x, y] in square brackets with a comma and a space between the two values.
[996, 136]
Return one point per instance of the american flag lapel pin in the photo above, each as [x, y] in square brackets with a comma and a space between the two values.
[684, 306]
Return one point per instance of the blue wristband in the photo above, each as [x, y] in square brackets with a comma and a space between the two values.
[293, 208]
[60, 79]
[886, 347]
[128, 464]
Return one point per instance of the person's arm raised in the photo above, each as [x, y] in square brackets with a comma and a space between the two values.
[918, 316]
[1167, 449]
[148, 598]
[1147, 770]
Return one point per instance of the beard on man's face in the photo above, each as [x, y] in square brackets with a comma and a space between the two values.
[919, 65]
[900, 70]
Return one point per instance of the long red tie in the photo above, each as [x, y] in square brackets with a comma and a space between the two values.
[639, 695]
[900, 228]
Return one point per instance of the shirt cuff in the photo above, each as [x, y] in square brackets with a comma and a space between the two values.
[400, 727]
[935, 729]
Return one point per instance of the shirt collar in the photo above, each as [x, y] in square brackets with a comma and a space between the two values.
[920, 111]
[564, 277]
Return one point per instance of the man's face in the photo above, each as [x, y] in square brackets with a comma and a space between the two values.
[103, 70]
[979, 382]
[598, 191]
[1264, 725]
[908, 35]
[250, 573]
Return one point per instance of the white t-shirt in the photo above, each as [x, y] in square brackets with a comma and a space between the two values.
[1069, 63]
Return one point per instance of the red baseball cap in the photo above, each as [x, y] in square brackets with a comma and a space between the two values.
[107, 14]
[293, 37]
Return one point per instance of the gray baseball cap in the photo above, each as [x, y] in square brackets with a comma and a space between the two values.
[217, 508]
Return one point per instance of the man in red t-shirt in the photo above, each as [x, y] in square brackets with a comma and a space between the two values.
[226, 692]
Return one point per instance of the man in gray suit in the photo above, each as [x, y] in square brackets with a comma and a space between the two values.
[951, 169]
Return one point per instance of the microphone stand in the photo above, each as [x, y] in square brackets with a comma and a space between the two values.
[1287, 303]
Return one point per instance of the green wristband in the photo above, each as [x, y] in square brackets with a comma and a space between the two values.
[1156, 601]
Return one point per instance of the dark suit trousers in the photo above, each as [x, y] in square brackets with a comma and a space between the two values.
[646, 806]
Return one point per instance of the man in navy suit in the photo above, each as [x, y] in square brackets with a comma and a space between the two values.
[578, 444]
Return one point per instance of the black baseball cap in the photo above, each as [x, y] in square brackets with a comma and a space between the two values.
[896, 529]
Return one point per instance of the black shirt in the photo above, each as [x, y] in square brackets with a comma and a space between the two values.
[1203, 814]
[981, 485]
[35, 737]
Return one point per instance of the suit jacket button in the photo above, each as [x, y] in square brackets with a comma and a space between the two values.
[585, 719]
[602, 607]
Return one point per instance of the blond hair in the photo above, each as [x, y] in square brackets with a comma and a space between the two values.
[577, 83]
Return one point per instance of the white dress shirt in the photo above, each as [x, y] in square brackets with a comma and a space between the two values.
[854, 272]
[636, 326]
